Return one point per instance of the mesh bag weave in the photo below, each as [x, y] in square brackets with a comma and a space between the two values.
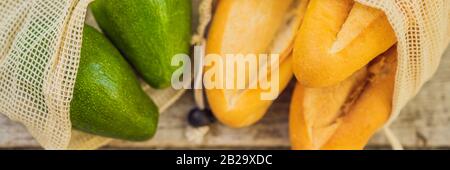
[423, 32]
[40, 43]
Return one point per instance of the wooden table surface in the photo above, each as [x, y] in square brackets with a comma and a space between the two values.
[423, 124]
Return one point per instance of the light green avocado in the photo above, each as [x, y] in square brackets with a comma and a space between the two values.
[107, 99]
[148, 32]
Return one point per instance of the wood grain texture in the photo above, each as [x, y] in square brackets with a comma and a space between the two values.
[424, 123]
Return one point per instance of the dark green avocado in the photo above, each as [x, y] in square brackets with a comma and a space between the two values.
[108, 99]
[148, 32]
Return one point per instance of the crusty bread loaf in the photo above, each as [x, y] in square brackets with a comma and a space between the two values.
[346, 115]
[252, 27]
[337, 38]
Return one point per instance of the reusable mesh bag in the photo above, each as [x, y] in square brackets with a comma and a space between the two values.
[423, 31]
[40, 43]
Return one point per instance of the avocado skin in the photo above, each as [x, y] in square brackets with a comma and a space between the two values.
[107, 98]
[148, 32]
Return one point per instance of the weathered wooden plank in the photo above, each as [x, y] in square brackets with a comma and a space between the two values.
[424, 123]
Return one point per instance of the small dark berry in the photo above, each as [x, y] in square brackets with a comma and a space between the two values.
[199, 118]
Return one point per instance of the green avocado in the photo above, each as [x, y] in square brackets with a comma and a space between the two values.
[107, 98]
[148, 32]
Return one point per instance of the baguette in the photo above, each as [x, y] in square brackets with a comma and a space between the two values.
[252, 27]
[338, 38]
[354, 109]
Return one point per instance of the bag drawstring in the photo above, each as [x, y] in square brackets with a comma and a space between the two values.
[392, 139]
[197, 135]
[205, 13]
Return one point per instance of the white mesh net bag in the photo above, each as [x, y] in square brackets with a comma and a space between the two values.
[40, 42]
[423, 31]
